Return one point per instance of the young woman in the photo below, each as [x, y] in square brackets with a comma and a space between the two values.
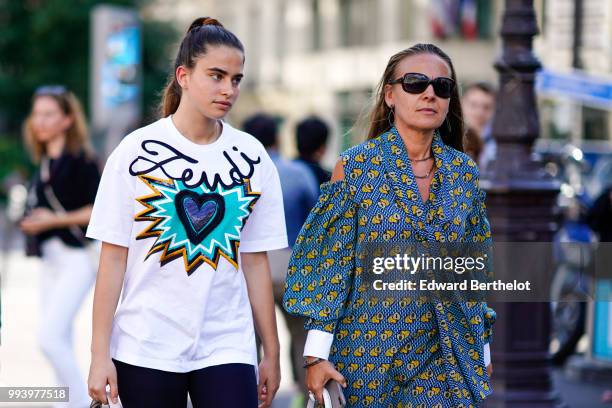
[186, 210]
[409, 182]
[61, 198]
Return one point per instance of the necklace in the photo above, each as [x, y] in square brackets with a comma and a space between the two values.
[420, 160]
[428, 172]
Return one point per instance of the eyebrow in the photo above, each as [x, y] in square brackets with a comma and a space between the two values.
[224, 72]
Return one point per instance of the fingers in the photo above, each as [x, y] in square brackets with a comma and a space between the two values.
[266, 395]
[317, 389]
[319, 395]
[98, 393]
[490, 369]
[340, 378]
[268, 398]
[262, 389]
[114, 390]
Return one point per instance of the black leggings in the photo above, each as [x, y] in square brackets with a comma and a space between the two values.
[227, 386]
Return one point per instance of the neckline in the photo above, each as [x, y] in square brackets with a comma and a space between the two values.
[402, 178]
[188, 144]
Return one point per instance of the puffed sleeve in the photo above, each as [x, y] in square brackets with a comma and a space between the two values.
[320, 273]
[478, 229]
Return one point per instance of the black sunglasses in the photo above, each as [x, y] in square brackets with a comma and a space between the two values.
[416, 83]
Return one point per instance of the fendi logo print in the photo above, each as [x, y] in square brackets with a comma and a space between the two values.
[195, 218]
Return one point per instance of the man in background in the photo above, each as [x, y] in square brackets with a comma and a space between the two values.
[311, 135]
[300, 192]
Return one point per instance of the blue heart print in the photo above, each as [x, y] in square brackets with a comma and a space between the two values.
[199, 213]
[199, 216]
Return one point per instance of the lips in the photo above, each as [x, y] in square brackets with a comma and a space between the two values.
[226, 105]
[427, 110]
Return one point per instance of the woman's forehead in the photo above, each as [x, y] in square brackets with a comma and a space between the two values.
[46, 102]
[227, 58]
[428, 64]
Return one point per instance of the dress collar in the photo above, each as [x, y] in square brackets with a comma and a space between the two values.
[399, 173]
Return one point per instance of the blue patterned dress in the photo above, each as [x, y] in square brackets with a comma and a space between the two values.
[393, 351]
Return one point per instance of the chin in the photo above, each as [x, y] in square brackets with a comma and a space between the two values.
[215, 114]
[43, 138]
[428, 126]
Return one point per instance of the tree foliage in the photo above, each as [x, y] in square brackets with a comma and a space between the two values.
[47, 42]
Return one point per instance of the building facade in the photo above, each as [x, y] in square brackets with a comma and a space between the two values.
[325, 57]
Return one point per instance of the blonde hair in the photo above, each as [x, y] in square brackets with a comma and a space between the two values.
[77, 135]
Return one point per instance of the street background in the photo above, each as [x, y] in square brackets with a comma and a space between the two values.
[303, 57]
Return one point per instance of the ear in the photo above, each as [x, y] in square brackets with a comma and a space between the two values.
[388, 92]
[182, 76]
[67, 122]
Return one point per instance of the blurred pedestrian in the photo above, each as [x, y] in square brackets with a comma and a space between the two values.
[478, 103]
[311, 135]
[410, 183]
[300, 191]
[60, 203]
[186, 210]
[599, 216]
[472, 144]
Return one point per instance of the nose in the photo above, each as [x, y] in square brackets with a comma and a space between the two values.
[429, 91]
[228, 88]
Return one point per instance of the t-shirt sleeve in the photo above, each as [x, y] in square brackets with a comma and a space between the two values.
[265, 228]
[112, 216]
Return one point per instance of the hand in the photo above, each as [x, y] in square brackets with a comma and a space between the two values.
[39, 220]
[319, 374]
[102, 372]
[490, 369]
[269, 380]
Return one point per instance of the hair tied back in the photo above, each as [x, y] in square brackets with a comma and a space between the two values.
[204, 21]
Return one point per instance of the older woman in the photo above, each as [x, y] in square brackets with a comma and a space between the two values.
[410, 182]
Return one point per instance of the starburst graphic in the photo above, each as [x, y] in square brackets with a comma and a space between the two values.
[196, 224]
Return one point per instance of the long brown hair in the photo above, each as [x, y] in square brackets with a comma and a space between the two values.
[77, 135]
[381, 114]
[203, 32]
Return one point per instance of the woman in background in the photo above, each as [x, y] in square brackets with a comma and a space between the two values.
[60, 201]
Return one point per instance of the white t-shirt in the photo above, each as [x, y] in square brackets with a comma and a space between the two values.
[186, 212]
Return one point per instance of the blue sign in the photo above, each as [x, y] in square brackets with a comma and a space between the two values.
[579, 86]
[602, 321]
[120, 70]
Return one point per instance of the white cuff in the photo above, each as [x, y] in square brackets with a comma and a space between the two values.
[487, 354]
[318, 344]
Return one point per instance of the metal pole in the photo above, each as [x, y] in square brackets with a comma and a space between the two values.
[520, 201]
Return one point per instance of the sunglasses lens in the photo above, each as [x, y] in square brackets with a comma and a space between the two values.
[418, 83]
[443, 87]
[415, 84]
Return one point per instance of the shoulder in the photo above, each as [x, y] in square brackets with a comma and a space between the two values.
[128, 148]
[155, 130]
[297, 167]
[358, 159]
[461, 162]
[363, 150]
[82, 158]
[242, 140]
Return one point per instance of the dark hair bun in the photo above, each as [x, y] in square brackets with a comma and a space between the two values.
[204, 21]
